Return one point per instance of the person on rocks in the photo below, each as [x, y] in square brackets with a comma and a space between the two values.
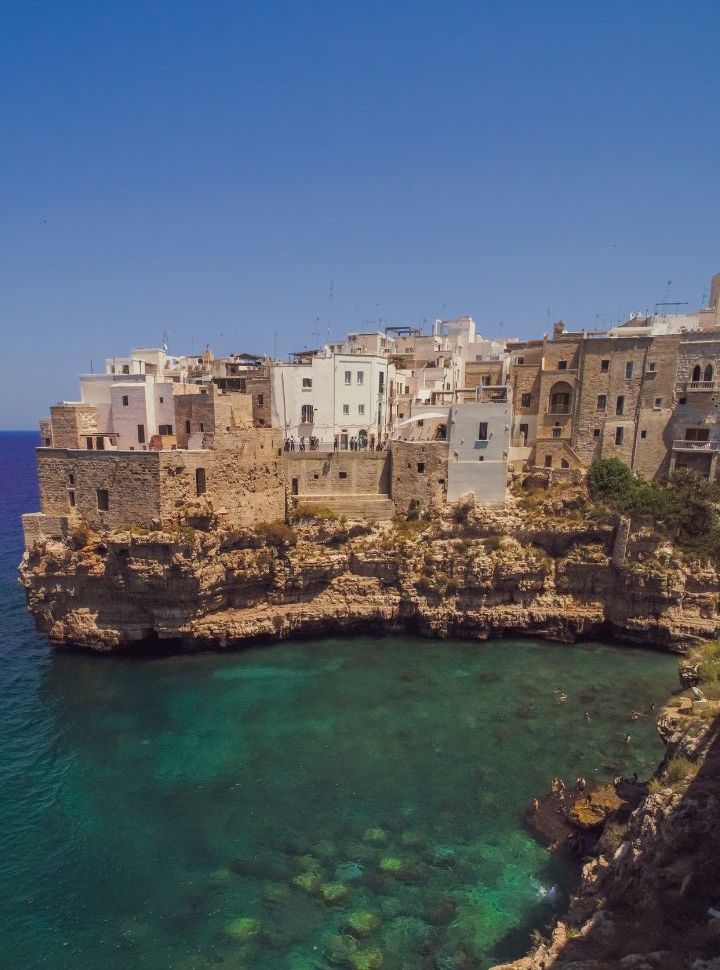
[335, 443]
[587, 717]
[628, 738]
[580, 783]
[535, 805]
[302, 443]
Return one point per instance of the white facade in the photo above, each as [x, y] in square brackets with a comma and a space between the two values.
[479, 445]
[336, 394]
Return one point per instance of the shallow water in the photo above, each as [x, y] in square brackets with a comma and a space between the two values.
[147, 807]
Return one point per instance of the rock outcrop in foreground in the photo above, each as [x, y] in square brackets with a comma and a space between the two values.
[543, 570]
[649, 898]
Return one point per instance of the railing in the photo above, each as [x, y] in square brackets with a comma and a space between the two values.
[680, 444]
[562, 411]
[702, 385]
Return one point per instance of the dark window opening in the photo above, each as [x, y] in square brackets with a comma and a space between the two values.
[295, 486]
[620, 404]
[200, 483]
[125, 400]
[89, 444]
[202, 426]
[604, 365]
[141, 434]
[525, 400]
[260, 400]
[342, 474]
[164, 429]
[708, 373]
[697, 434]
[562, 365]
[524, 431]
[187, 427]
[596, 432]
[643, 434]
[100, 443]
[556, 432]
[103, 500]
[71, 498]
[71, 479]
[483, 431]
[421, 467]
[619, 435]
[628, 370]
[548, 461]
[696, 372]
[602, 402]
[682, 400]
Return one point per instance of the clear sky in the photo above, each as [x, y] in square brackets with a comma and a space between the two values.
[209, 167]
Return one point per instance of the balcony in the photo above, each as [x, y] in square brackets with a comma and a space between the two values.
[702, 386]
[680, 444]
[493, 393]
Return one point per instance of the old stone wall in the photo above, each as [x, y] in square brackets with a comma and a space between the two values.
[237, 488]
[70, 483]
[338, 472]
[419, 473]
[72, 423]
[259, 389]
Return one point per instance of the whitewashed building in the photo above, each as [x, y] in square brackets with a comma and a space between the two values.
[334, 398]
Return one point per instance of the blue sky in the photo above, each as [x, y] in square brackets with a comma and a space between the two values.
[207, 168]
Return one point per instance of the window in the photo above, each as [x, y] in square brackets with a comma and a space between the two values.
[652, 367]
[619, 435]
[421, 423]
[620, 404]
[708, 374]
[525, 400]
[164, 429]
[524, 429]
[697, 434]
[361, 409]
[200, 483]
[187, 427]
[71, 499]
[348, 377]
[604, 365]
[481, 457]
[71, 479]
[103, 500]
[346, 409]
[562, 365]
[381, 383]
[126, 368]
[342, 474]
[141, 434]
[260, 400]
[519, 360]
[483, 431]
[556, 432]
[125, 400]
[548, 461]
[421, 467]
[628, 370]
[696, 372]
[100, 443]
[596, 432]
[162, 400]
[307, 381]
[360, 377]
[643, 434]
[657, 403]
[202, 426]
[307, 414]
[682, 400]
[89, 444]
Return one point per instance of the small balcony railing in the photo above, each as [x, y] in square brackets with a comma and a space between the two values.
[559, 411]
[702, 385]
[680, 444]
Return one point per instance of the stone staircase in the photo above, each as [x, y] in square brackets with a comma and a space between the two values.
[360, 505]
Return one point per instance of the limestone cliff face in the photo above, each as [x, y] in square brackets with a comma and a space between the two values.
[494, 573]
[648, 898]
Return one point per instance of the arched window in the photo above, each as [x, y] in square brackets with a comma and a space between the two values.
[708, 374]
[560, 397]
[696, 372]
[564, 463]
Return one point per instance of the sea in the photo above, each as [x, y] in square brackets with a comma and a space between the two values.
[326, 803]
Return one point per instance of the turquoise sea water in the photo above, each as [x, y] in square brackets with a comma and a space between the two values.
[185, 812]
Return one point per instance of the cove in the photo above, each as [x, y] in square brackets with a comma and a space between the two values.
[243, 811]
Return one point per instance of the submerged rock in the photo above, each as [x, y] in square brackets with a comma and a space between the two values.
[370, 959]
[363, 923]
[333, 892]
[244, 928]
[308, 881]
[375, 835]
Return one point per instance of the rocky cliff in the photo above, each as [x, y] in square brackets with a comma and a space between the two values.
[649, 898]
[547, 571]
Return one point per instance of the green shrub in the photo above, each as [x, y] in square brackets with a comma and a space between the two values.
[609, 479]
[277, 533]
[320, 512]
[707, 658]
[679, 770]
[461, 513]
